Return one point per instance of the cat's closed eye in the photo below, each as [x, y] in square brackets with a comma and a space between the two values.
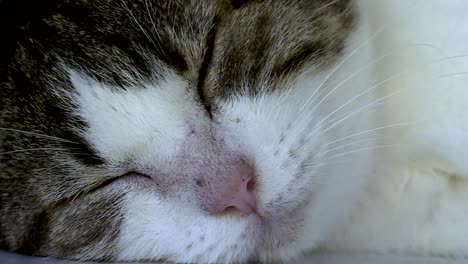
[299, 56]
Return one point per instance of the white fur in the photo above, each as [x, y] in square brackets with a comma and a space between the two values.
[148, 122]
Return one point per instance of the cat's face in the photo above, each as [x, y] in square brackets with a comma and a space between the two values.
[186, 130]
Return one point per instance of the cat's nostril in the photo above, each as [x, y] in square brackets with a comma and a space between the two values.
[251, 184]
[243, 200]
[233, 191]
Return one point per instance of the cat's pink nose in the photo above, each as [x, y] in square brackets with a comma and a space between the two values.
[231, 188]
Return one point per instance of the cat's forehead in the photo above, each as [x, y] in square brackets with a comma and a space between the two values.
[139, 37]
[242, 42]
[265, 42]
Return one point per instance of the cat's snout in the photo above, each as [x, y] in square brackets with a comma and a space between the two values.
[231, 188]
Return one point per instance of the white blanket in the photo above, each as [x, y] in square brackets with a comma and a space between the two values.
[418, 201]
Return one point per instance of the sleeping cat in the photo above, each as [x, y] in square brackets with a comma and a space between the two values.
[193, 131]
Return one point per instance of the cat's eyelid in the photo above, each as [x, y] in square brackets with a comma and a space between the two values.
[299, 58]
[134, 173]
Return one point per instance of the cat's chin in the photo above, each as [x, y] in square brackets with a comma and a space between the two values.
[229, 238]
[283, 237]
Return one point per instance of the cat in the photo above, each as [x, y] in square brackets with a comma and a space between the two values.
[188, 131]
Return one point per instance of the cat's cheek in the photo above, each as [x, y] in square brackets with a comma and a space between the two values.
[156, 228]
[133, 122]
[280, 145]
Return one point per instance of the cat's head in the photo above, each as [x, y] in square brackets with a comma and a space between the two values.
[185, 130]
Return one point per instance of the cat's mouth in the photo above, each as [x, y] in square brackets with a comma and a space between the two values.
[274, 237]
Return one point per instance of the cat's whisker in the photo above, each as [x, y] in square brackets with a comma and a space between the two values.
[361, 150]
[453, 74]
[341, 83]
[153, 24]
[319, 164]
[393, 77]
[38, 135]
[32, 149]
[322, 62]
[334, 162]
[339, 65]
[139, 25]
[41, 173]
[397, 75]
[45, 170]
[365, 67]
[325, 6]
[379, 84]
[286, 95]
[340, 119]
[365, 140]
[351, 76]
[459, 56]
[368, 131]
[346, 116]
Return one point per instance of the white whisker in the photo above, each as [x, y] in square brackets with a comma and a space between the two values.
[370, 131]
[139, 25]
[395, 76]
[38, 135]
[351, 76]
[338, 66]
[44, 171]
[32, 149]
[362, 149]
[355, 112]
[376, 86]
[453, 74]
[153, 25]
[41, 173]
[347, 145]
